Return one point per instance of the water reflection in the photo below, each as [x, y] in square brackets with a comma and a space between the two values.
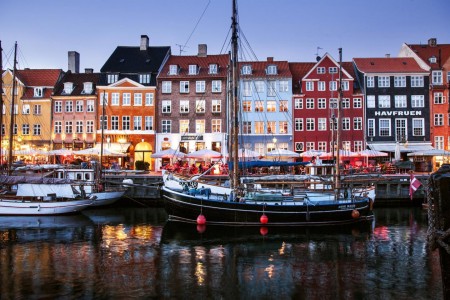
[132, 252]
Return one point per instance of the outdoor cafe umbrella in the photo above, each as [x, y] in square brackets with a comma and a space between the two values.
[29, 152]
[282, 153]
[246, 153]
[311, 153]
[371, 153]
[96, 151]
[342, 153]
[204, 153]
[432, 152]
[168, 153]
[397, 155]
[63, 151]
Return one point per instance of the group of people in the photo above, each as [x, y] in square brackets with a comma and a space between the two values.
[195, 168]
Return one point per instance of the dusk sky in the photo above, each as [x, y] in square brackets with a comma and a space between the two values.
[291, 30]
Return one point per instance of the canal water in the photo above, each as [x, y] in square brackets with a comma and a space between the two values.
[132, 253]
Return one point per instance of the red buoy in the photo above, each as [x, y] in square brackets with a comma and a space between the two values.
[264, 219]
[201, 220]
[201, 228]
[355, 214]
[263, 230]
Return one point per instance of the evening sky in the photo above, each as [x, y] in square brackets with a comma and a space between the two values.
[291, 30]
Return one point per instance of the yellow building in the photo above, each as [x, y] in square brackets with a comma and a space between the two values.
[32, 110]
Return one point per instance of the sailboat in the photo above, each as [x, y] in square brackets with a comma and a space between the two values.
[240, 204]
[36, 198]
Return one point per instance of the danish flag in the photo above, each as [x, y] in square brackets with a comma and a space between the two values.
[414, 185]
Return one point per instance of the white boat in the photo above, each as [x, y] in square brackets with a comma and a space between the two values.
[41, 199]
[84, 179]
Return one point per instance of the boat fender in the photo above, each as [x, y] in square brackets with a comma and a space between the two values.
[127, 182]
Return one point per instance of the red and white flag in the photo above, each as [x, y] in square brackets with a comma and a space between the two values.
[414, 185]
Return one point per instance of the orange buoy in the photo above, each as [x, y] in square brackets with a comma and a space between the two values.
[355, 214]
[201, 220]
[264, 219]
[263, 230]
[201, 228]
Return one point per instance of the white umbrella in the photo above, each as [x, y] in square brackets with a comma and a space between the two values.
[204, 153]
[61, 152]
[342, 153]
[246, 153]
[282, 153]
[372, 153]
[168, 153]
[30, 152]
[433, 152]
[397, 155]
[95, 151]
[311, 153]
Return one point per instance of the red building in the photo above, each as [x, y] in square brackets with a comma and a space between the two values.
[315, 100]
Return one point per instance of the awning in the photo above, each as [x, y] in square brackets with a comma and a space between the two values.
[404, 147]
[115, 147]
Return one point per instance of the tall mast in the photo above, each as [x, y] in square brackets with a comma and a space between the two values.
[11, 125]
[1, 104]
[235, 102]
[102, 135]
[338, 131]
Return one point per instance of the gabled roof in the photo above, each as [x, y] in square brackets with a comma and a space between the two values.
[440, 51]
[132, 60]
[203, 62]
[325, 57]
[31, 78]
[298, 71]
[78, 80]
[259, 69]
[38, 77]
[388, 65]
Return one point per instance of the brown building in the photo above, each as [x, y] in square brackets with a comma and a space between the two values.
[191, 102]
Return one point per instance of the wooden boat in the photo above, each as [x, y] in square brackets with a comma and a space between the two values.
[84, 179]
[41, 199]
[195, 201]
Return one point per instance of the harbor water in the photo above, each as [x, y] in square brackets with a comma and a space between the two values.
[133, 253]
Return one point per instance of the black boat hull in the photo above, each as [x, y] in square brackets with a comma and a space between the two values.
[186, 208]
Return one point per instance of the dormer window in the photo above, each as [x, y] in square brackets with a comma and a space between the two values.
[271, 70]
[111, 78]
[173, 70]
[38, 92]
[246, 70]
[68, 88]
[144, 78]
[87, 88]
[213, 69]
[432, 60]
[193, 69]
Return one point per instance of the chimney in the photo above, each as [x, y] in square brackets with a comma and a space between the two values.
[432, 42]
[270, 59]
[74, 62]
[144, 42]
[88, 70]
[387, 55]
[202, 50]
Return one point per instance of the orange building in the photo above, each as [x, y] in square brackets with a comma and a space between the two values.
[126, 103]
